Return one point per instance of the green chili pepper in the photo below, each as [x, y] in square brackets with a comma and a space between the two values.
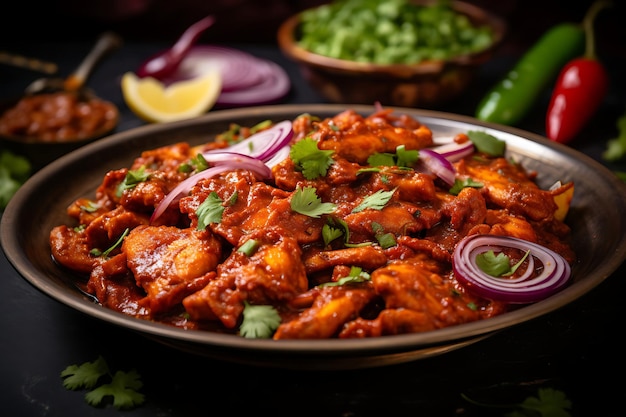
[510, 99]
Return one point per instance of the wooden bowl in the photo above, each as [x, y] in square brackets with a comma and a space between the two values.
[426, 84]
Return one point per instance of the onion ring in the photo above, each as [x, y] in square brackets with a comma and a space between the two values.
[555, 272]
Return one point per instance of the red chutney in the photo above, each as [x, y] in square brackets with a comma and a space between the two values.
[170, 271]
[58, 117]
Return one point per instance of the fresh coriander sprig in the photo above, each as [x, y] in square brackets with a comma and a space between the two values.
[209, 211]
[498, 265]
[259, 321]
[312, 161]
[375, 201]
[355, 275]
[132, 178]
[305, 201]
[548, 403]
[122, 386]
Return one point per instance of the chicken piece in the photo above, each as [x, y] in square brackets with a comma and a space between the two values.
[170, 263]
[273, 274]
[257, 206]
[508, 186]
[366, 257]
[420, 284]
[389, 322]
[332, 307]
[355, 138]
[70, 248]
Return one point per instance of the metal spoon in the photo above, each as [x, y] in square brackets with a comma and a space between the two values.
[107, 42]
[165, 63]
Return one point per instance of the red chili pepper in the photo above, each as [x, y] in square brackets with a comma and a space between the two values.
[579, 90]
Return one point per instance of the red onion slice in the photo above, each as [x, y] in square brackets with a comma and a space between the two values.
[261, 145]
[455, 151]
[225, 161]
[438, 165]
[237, 67]
[554, 275]
[273, 85]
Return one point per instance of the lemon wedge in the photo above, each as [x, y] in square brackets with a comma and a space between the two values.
[153, 101]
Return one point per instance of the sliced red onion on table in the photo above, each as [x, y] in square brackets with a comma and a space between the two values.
[224, 161]
[273, 85]
[554, 273]
[246, 79]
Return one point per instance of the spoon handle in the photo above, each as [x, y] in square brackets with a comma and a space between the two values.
[107, 42]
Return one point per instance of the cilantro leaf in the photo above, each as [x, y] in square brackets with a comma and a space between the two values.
[385, 240]
[14, 171]
[330, 233]
[375, 201]
[460, 184]
[381, 159]
[402, 158]
[85, 375]
[356, 275]
[209, 211]
[492, 264]
[548, 403]
[305, 201]
[312, 161]
[616, 147]
[123, 388]
[497, 265]
[486, 143]
[132, 178]
[259, 321]
[406, 158]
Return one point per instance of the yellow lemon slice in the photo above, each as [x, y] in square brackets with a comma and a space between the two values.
[153, 101]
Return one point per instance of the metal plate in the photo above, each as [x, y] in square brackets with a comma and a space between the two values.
[596, 218]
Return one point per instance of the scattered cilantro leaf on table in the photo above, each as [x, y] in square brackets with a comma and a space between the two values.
[616, 147]
[549, 402]
[123, 386]
[14, 171]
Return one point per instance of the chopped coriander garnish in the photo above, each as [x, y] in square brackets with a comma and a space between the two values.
[123, 386]
[312, 161]
[381, 159]
[97, 252]
[460, 184]
[406, 158]
[385, 240]
[548, 403]
[249, 247]
[356, 275]
[497, 265]
[305, 201]
[375, 201]
[402, 158]
[330, 233]
[132, 178]
[209, 211]
[486, 143]
[259, 321]
[90, 207]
